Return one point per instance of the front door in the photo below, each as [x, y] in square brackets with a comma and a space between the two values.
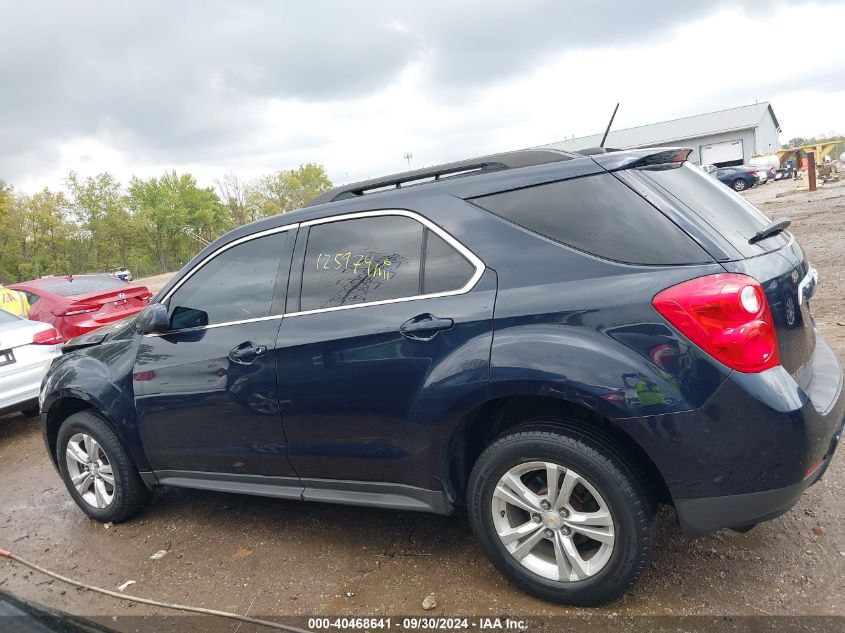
[388, 341]
[205, 392]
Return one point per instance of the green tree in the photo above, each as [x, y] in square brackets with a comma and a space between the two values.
[285, 190]
[107, 232]
[155, 225]
[171, 208]
[11, 234]
[46, 234]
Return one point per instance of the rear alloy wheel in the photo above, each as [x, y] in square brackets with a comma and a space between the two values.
[97, 470]
[561, 516]
[740, 185]
[553, 521]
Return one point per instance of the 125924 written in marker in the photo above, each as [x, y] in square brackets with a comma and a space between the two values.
[377, 267]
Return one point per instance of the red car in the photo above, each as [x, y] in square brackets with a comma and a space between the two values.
[77, 304]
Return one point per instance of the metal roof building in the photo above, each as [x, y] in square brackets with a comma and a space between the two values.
[722, 138]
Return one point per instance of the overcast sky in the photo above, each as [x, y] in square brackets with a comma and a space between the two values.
[212, 86]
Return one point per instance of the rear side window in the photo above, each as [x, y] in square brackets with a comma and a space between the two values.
[361, 260]
[65, 287]
[599, 215]
[236, 285]
[726, 212]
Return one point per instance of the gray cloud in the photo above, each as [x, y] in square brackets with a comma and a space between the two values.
[184, 81]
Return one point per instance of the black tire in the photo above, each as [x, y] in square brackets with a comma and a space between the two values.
[739, 185]
[629, 502]
[129, 492]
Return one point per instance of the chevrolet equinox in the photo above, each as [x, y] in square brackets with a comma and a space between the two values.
[555, 342]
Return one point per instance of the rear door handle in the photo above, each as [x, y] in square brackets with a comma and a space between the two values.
[425, 326]
[247, 352]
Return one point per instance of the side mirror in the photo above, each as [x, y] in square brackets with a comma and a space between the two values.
[153, 319]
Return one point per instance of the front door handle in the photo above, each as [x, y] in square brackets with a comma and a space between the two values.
[247, 352]
[425, 326]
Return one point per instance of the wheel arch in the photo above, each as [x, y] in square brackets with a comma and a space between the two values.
[65, 405]
[481, 426]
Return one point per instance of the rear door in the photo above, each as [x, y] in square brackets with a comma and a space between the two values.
[205, 391]
[777, 262]
[390, 332]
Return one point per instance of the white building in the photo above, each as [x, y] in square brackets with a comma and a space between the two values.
[722, 138]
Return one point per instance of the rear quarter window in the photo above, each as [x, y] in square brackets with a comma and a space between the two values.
[598, 215]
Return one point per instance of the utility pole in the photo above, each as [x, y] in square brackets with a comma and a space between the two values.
[408, 157]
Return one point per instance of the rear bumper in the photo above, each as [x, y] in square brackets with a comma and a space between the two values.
[750, 452]
[19, 390]
[699, 516]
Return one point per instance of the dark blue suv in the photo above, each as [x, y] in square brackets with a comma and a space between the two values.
[556, 342]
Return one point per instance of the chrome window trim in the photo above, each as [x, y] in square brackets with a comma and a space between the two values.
[473, 259]
[476, 262]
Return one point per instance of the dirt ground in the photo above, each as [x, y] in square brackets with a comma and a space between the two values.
[270, 558]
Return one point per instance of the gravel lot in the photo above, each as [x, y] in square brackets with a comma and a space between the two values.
[272, 557]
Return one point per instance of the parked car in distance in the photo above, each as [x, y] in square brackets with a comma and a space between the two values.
[708, 168]
[492, 334]
[124, 274]
[26, 348]
[737, 178]
[772, 173]
[77, 304]
[762, 176]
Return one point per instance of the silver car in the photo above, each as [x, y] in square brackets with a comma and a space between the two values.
[26, 350]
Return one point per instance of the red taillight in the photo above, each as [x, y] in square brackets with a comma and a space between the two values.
[47, 337]
[727, 316]
[144, 376]
[145, 296]
[76, 308]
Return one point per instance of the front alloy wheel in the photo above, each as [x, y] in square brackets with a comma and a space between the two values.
[97, 470]
[90, 470]
[553, 521]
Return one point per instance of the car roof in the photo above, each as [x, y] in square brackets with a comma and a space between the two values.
[466, 179]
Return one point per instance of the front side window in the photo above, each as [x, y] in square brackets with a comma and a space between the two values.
[360, 261]
[237, 284]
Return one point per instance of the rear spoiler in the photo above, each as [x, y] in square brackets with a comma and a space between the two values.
[634, 158]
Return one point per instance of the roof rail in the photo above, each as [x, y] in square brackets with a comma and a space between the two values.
[468, 167]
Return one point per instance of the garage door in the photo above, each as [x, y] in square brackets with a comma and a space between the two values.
[720, 153]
